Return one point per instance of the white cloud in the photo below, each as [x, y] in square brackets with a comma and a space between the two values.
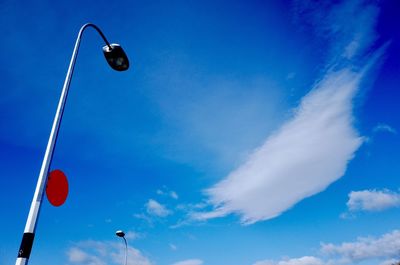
[155, 208]
[265, 262]
[190, 206]
[132, 235]
[372, 200]
[306, 260]
[382, 127]
[173, 195]
[76, 255]
[383, 250]
[301, 159]
[312, 149]
[347, 27]
[166, 192]
[366, 248]
[203, 216]
[104, 252]
[189, 262]
[143, 217]
[390, 262]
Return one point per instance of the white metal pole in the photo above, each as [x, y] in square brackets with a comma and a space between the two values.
[30, 227]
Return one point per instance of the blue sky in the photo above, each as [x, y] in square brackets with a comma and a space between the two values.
[245, 132]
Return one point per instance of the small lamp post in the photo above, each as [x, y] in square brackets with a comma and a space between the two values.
[121, 233]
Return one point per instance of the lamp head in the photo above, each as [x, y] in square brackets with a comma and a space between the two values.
[116, 57]
[120, 233]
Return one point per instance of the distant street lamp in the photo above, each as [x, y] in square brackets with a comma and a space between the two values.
[120, 233]
[118, 60]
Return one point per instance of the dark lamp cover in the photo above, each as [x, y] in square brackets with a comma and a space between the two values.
[120, 233]
[116, 57]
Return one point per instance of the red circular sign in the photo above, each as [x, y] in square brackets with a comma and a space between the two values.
[57, 188]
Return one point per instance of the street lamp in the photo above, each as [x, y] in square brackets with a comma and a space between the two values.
[121, 233]
[118, 60]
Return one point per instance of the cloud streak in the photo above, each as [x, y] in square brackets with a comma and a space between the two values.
[306, 260]
[383, 249]
[156, 209]
[372, 200]
[306, 155]
[312, 149]
[189, 262]
[365, 248]
[382, 127]
[92, 252]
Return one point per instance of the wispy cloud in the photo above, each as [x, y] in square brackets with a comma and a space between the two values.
[78, 256]
[346, 27]
[189, 262]
[132, 235]
[382, 127]
[306, 155]
[390, 262]
[365, 248]
[92, 252]
[203, 216]
[382, 250]
[144, 217]
[312, 149]
[166, 192]
[306, 260]
[372, 200]
[156, 209]
[173, 195]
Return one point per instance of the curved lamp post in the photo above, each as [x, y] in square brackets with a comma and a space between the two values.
[121, 233]
[118, 60]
